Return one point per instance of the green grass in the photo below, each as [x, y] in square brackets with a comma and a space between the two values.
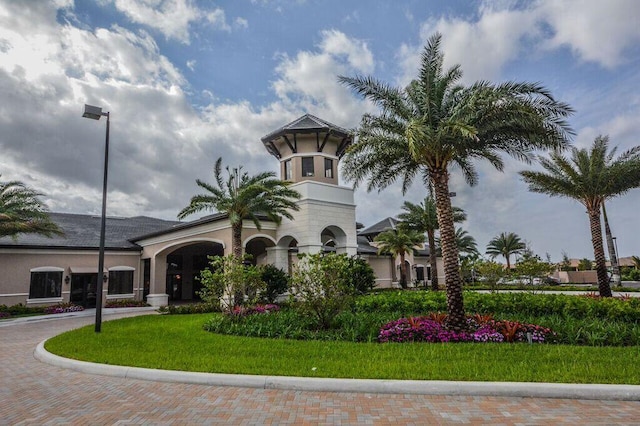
[178, 342]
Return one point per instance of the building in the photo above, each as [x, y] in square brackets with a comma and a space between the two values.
[159, 260]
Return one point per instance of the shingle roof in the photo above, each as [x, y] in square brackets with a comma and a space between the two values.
[306, 124]
[83, 232]
[383, 225]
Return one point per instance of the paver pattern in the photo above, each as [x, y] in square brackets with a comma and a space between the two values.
[33, 393]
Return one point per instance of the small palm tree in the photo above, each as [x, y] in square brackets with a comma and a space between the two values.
[505, 244]
[434, 124]
[636, 261]
[590, 177]
[467, 246]
[244, 197]
[22, 212]
[424, 219]
[399, 242]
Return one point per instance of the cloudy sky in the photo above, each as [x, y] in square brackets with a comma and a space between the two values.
[189, 81]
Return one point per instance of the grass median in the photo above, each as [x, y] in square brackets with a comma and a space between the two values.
[178, 342]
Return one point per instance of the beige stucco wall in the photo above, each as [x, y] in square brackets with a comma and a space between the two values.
[16, 265]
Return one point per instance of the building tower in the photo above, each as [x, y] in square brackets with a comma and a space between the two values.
[309, 150]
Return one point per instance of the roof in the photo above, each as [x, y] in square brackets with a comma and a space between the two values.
[383, 225]
[82, 231]
[308, 124]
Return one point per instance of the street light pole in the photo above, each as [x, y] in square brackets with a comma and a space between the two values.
[95, 113]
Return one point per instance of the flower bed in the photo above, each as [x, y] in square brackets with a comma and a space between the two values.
[62, 308]
[125, 303]
[480, 329]
[244, 311]
[4, 315]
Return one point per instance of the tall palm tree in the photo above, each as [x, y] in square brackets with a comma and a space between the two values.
[434, 124]
[399, 242]
[244, 197]
[22, 212]
[590, 177]
[506, 244]
[423, 218]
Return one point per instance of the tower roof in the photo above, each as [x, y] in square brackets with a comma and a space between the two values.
[307, 124]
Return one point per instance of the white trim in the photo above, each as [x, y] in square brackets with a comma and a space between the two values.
[14, 294]
[187, 242]
[310, 154]
[47, 269]
[69, 252]
[268, 237]
[176, 235]
[44, 300]
[122, 268]
[121, 296]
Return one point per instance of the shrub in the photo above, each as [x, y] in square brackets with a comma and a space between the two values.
[4, 315]
[230, 281]
[197, 308]
[359, 275]
[276, 282]
[321, 285]
[245, 311]
[21, 309]
[125, 303]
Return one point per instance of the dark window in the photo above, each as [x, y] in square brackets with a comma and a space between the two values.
[45, 284]
[328, 168]
[307, 166]
[120, 282]
[288, 174]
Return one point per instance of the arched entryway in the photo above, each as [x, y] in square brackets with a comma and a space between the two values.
[333, 239]
[184, 265]
[257, 249]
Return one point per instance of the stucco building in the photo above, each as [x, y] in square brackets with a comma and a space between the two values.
[159, 260]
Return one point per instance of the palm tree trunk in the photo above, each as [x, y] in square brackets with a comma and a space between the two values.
[403, 272]
[455, 305]
[433, 259]
[236, 240]
[598, 252]
[613, 257]
[508, 262]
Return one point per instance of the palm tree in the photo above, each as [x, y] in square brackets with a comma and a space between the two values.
[467, 246]
[244, 197]
[636, 261]
[399, 242]
[434, 124]
[423, 218]
[22, 212]
[505, 244]
[590, 177]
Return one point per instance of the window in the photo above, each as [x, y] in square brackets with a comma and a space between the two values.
[328, 168]
[120, 281]
[45, 283]
[307, 166]
[288, 174]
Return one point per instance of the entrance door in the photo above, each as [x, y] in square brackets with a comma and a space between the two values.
[83, 290]
[174, 286]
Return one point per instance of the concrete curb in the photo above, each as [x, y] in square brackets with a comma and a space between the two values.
[416, 387]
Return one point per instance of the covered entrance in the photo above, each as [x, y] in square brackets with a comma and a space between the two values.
[183, 270]
[83, 289]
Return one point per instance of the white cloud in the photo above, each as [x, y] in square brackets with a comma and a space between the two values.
[171, 17]
[192, 64]
[241, 23]
[598, 31]
[218, 19]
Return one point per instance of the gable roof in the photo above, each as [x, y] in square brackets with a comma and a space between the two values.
[383, 225]
[83, 232]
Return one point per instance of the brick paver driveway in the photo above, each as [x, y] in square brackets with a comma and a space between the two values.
[35, 393]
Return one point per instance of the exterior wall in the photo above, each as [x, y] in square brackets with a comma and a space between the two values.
[383, 267]
[16, 266]
[307, 146]
[321, 206]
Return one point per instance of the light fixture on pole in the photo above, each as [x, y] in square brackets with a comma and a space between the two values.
[95, 113]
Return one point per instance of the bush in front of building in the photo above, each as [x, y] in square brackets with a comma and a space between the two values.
[125, 303]
[20, 309]
[62, 308]
[276, 282]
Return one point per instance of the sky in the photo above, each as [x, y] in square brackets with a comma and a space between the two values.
[188, 81]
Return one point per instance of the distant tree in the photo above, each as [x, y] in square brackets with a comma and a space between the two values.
[590, 176]
[565, 265]
[244, 197]
[490, 272]
[636, 261]
[506, 244]
[399, 242]
[585, 265]
[423, 218]
[532, 266]
[22, 212]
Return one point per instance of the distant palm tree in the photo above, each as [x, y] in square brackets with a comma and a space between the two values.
[423, 218]
[506, 244]
[636, 261]
[467, 245]
[244, 197]
[590, 177]
[399, 242]
[22, 212]
[435, 124]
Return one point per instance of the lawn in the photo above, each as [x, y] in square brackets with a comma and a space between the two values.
[178, 342]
